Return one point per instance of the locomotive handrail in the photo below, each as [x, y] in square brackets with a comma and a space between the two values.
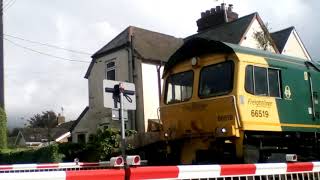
[237, 112]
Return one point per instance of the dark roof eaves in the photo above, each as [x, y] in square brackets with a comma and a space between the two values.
[275, 36]
[79, 118]
[274, 45]
[96, 56]
[281, 30]
[120, 34]
[209, 29]
[304, 47]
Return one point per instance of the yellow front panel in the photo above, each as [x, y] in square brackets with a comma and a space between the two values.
[200, 117]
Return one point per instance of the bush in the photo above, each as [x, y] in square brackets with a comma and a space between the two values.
[43, 155]
[3, 129]
[103, 145]
[84, 152]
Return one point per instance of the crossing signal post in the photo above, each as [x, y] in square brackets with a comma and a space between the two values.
[121, 96]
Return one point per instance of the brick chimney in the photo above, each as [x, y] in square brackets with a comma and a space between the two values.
[216, 16]
[61, 119]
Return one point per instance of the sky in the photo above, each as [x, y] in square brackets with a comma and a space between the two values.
[35, 82]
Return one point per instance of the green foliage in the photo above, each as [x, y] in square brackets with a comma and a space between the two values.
[3, 129]
[263, 37]
[84, 152]
[47, 119]
[102, 146]
[43, 155]
[108, 142]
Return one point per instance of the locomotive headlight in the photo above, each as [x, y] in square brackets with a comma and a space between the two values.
[166, 134]
[223, 130]
[194, 61]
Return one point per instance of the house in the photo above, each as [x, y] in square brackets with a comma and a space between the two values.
[38, 137]
[137, 55]
[289, 43]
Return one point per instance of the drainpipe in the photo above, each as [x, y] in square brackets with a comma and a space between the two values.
[131, 76]
[159, 82]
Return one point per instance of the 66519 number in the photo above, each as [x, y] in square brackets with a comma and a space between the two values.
[259, 113]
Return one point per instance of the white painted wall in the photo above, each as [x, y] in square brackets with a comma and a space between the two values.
[294, 47]
[249, 40]
[97, 115]
[150, 92]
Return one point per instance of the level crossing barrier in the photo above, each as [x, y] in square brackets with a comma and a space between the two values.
[267, 171]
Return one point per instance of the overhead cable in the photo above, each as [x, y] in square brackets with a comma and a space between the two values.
[44, 53]
[46, 44]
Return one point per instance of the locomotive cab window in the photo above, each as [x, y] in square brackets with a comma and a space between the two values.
[263, 81]
[179, 87]
[216, 80]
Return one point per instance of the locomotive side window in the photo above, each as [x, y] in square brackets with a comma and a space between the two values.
[262, 81]
[216, 80]
[179, 87]
[274, 83]
[249, 80]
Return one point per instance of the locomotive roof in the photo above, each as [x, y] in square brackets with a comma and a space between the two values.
[200, 46]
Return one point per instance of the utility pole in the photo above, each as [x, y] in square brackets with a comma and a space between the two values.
[1, 58]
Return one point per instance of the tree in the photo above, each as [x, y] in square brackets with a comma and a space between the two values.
[48, 119]
[3, 129]
[14, 132]
[263, 37]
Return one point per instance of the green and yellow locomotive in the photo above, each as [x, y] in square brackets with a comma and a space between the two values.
[226, 103]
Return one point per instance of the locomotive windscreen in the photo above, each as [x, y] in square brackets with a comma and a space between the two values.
[216, 80]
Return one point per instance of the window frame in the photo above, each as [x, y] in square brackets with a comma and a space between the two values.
[268, 84]
[166, 88]
[232, 83]
[108, 69]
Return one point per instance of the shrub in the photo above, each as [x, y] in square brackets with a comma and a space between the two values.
[3, 129]
[43, 155]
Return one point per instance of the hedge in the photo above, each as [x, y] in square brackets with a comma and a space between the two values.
[43, 155]
[3, 129]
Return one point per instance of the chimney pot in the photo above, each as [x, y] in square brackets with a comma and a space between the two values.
[223, 6]
[213, 10]
[230, 8]
[218, 8]
[216, 16]
[207, 12]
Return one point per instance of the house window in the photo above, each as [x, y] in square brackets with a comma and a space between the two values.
[263, 81]
[81, 138]
[110, 70]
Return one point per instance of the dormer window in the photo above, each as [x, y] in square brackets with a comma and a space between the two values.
[110, 70]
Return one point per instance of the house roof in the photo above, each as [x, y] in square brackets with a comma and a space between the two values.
[39, 134]
[281, 37]
[75, 123]
[198, 46]
[231, 32]
[147, 45]
[66, 125]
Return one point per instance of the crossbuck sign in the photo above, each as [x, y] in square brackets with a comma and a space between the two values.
[111, 95]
